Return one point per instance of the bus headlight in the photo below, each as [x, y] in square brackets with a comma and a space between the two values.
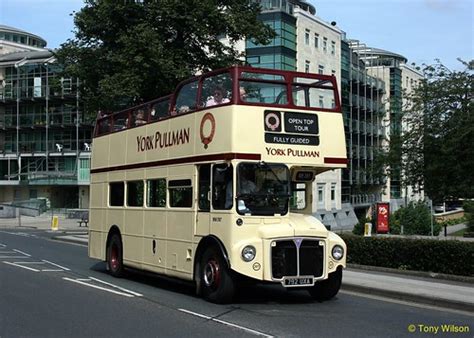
[248, 253]
[337, 252]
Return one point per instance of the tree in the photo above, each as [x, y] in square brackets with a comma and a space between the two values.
[436, 147]
[129, 51]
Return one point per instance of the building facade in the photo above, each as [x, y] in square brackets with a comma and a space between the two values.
[399, 79]
[363, 107]
[45, 142]
[306, 43]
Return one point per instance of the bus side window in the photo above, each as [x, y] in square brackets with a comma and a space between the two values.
[181, 193]
[222, 192]
[186, 98]
[135, 193]
[298, 196]
[159, 110]
[211, 84]
[204, 185]
[116, 194]
[156, 193]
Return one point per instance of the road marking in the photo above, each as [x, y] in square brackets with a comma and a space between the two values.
[406, 302]
[4, 257]
[21, 266]
[21, 252]
[117, 287]
[257, 333]
[59, 266]
[2, 245]
[98, 287]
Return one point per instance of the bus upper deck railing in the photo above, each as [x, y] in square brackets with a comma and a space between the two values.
[235, 85]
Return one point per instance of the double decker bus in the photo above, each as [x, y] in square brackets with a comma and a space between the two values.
[213, 184]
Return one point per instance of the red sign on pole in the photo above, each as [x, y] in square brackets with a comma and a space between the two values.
[383, 213]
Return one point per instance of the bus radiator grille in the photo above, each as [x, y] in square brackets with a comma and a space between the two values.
[285, 262]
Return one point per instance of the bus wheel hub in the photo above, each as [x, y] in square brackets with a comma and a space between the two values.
[212, 274]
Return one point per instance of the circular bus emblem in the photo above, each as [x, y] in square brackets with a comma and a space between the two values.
[272, 121]
[206, 139]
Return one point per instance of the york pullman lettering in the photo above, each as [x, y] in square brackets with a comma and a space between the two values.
[291, 152]
[163, 140]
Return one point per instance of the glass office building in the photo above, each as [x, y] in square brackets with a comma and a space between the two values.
[45, 142]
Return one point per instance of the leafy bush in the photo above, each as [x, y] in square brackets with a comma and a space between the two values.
[440, 256]
[454, 221]
[468, 207]
[360, 227]
[415, 218]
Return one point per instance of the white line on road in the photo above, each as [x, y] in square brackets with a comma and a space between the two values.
[23, 253]
[117, 287]
[4, 257]
[59, 266]
[21, 266]
[98, 287]
[2, 245]
[225, 323]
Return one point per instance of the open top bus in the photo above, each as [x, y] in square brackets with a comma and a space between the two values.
[213, 184]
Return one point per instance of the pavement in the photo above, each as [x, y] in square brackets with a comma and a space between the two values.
[454, 292]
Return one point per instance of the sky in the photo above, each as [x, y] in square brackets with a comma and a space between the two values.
[420, 30]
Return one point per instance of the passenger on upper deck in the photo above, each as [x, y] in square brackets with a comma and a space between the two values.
[140, 118]
[218, 97]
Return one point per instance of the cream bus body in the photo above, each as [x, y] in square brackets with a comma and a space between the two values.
[172, 240]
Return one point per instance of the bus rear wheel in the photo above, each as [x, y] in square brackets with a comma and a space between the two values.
[328, 288]
[115, 256]
[217, 284]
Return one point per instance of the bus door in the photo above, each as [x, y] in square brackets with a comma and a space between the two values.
[204, 202]
[222, 198]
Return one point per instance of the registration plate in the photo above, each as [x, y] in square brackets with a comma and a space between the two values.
[298, 281]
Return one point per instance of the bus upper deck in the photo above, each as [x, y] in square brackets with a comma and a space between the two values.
[234, 113]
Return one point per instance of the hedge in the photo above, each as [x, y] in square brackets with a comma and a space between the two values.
[440, 256]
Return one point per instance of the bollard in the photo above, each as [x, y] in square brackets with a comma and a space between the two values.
[55, 223]
[445, 230]
[367, 229]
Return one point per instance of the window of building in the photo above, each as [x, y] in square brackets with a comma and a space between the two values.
[156, 193]
[306, 66]
[316, 40]
[321, 101]
[320, 69]
[181, 193]
[306, 36]
[333, 72]
[333, 192]
[135, 193]
[320, 189]
[116, 192]
[333, 47]
[325, 44]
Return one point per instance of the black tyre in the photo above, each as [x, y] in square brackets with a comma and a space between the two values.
[328, 288]
[115, 256]
[216, 282]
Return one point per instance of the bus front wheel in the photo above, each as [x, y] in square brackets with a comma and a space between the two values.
[328, 288]
[115, 256]
[216, 281]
